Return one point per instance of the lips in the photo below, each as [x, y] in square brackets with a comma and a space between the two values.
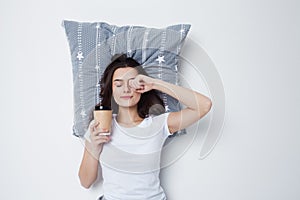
[126, 97]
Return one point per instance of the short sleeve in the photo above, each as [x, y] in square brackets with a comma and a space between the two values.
[163, 118]
[166, 127]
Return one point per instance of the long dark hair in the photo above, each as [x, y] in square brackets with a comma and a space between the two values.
[149, 103]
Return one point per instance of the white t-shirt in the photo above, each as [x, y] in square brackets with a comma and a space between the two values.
[131, 160]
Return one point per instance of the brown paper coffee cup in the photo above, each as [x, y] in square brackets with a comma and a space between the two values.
[104, 117]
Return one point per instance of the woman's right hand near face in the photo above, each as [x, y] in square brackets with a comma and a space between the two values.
[98, 138]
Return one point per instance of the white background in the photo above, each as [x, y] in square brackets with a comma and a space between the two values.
[255, 46]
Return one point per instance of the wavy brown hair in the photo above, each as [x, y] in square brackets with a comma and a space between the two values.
[149, 103]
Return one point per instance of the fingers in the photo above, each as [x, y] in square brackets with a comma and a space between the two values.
[99, 139]
[94, 126]
[141, 83]
[100, 131]
[137, 85]
[99, 135]
[95, 130]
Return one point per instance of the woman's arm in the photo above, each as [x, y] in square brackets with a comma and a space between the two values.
[88, 170]
[197, 105]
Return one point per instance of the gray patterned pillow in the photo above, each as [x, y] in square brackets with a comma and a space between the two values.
[92, 46]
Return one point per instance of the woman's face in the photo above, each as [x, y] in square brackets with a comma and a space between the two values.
[122, 93]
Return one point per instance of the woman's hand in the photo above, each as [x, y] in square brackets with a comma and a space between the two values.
[141, 83]
[89, 167]
[98, 138]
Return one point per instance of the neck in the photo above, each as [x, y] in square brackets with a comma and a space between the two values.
[128, 116]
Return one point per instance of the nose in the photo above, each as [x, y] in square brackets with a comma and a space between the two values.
[127, 88]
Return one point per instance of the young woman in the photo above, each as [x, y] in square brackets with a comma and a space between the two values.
[131, 173]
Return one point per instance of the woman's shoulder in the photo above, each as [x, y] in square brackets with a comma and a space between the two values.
[162, 118]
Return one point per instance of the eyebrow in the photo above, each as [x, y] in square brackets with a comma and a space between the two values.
[117, 79]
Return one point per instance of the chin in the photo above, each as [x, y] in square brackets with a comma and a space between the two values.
[126, 104]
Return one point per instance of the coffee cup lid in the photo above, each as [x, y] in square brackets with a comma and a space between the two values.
[101, 107]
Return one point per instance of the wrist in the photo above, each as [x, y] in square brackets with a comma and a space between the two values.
[96, 154]
[156, 83]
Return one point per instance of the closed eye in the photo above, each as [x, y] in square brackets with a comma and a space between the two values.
[118, 83]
